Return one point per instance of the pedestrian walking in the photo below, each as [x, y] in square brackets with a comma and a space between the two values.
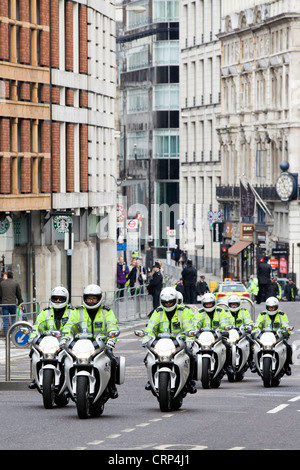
[10, 292]
[189, 276]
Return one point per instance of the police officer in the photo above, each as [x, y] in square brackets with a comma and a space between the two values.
[239, 317]
[155, 285]
[170, 316]
[98, 318]
[53, 317]
[253, 287]
[275, 319]
[212, 316]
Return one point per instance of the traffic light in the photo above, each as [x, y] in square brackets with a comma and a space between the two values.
[224, 255]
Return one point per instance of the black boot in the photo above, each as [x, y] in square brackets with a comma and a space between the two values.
[32, 385]
[191, 386]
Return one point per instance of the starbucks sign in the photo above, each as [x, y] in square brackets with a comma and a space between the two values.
[61, 223]
[4, 226]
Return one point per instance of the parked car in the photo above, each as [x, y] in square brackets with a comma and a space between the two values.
[225, 289]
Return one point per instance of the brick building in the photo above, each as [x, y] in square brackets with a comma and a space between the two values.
[57, 92]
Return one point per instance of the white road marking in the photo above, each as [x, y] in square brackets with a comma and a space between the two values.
[295, 398]
[277, 409]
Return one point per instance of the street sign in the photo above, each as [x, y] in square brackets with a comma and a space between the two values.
[19, 339]
[121, 246]
[61, 223]
[132, 225]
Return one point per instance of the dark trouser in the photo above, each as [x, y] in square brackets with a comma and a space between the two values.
[121, 287]
[189, 294]
[263, 293]
[156, 300]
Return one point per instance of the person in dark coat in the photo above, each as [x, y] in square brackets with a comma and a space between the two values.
[10, 293]
[264, 271]
[155, 285]
[290, 291]
[177, 254]
[202, 286]
[189, 276]
[274, 288]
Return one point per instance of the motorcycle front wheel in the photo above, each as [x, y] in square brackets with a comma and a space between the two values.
[82, 397]
[48, 388]
[267, 371]
[205, 379]
[164, 391]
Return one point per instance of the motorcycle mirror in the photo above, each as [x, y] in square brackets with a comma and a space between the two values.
[192, 333]
[139, 333]
[113, 334]
[25, 331]
[56, 333]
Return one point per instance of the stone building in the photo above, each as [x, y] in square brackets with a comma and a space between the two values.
[259, 128]
[57, 143]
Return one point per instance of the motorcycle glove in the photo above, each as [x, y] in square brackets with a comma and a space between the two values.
[110, 343]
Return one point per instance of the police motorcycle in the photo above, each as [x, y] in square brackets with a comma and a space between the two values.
[270, 354]
[210, 352]
[238, 339]
[47, 358]
[88, 366]
[168, 367]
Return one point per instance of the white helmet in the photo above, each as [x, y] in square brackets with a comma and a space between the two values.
[59, 297]
[179, 298]
[92, 290]
[168, 298]
[272, 303]
[209, 298]
[234, 299]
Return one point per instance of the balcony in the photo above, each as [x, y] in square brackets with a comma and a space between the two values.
[267, 193]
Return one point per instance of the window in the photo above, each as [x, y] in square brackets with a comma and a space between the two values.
[137, 101]
[137, 145]
[166, 53]
[138, 58]
[166, 97]
[165, 10]
[166, 143]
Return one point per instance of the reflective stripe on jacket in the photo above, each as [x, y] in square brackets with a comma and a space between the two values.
[219, 320]
[104, 321]
[241, 319]
[181, 321]
[280, 320]
[46, 321]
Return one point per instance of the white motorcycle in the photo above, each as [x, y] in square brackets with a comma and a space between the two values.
[239, 352]
[270, 353]
[48, 366]
[210, 357]
[88, 370]
[168, 368]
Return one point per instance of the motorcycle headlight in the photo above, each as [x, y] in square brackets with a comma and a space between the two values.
[83, 350]
[49, 346]
[206, 339]
[233, 336]
[164, 349]
[267, 340]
